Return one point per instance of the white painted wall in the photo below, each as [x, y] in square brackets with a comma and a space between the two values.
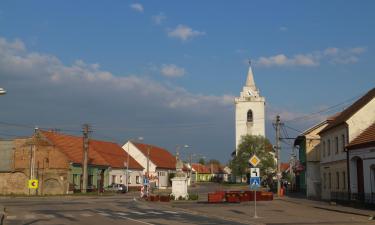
[242, 106]
[368, 157]
[121, 173]
[364, 118]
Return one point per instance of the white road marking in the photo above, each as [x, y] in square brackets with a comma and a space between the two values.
[157, 213]
[139, 213]
[85, 214]
[138, 221]
[68, 215]
[11, 217]
[170, 212]
[103, 214]
[49, 216]
[30, 216]
[121, 213]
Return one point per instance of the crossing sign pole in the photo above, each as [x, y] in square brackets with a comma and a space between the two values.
[255, 180]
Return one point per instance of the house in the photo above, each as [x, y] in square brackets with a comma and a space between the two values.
[308, 177]
[55, 159]
[201, 172]
[362, 165]
[106, 164]
[158, 163]
[342, 130]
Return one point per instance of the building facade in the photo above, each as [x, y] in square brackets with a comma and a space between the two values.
[343, 129]
[249, 111]
[362, 166]
[158, 163]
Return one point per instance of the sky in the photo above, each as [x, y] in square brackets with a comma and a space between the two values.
[168, 71]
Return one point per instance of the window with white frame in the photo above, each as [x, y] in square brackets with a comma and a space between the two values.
[329, 147]
[138, 179]
[337, 145]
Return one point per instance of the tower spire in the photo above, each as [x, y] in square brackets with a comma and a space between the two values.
[250, 78]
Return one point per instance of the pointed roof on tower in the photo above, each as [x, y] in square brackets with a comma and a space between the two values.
[250, 79]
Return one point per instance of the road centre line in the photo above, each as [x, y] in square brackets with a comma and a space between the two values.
[139, 221]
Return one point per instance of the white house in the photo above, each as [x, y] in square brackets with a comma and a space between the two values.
[362, 165]
[158, 163]
[343, 129]
[118, 160]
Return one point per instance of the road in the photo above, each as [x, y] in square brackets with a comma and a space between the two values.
[104, 210]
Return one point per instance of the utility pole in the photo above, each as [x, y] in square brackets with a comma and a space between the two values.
[85, 131]
[277, 125]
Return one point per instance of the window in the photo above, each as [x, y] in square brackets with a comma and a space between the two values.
[324, 181]
[329, 147]
[324, 148]
[120, 179]
[113, 179]
[329, 181]
[343, 180]
[250, 116]
[138, 179]
[336, 145]
[343, 142]
[337, 180]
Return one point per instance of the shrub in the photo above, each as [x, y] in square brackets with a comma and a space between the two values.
[193, 197]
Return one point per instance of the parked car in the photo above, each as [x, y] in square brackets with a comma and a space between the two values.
[117, 188]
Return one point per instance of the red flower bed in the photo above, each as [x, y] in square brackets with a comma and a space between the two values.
[232, 197]
[215, 197]
[165, 198]
[244, 197]
[267, 196]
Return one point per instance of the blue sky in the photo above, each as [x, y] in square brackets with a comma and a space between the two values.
[181, 64]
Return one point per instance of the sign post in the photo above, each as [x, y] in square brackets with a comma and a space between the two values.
[254, 180]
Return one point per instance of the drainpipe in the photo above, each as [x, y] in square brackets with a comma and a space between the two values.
[347, 162]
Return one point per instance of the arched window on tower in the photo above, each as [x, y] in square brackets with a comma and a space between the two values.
[250, 116]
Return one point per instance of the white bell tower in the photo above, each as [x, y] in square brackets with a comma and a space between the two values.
[250, 110]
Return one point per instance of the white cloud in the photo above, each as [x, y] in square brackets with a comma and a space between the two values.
[184, 33]
[137, 7]
[159, 19]
[283, 28]
[171, 70]
[331, 55]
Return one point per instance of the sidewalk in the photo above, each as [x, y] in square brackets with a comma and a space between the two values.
[328, 206]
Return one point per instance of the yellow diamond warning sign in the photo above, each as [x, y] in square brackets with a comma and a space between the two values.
[33, 184]
[254, 160]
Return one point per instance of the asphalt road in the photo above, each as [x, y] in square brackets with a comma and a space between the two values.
[104, 210]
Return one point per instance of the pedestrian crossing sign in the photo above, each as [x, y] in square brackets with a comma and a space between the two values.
[254, 182]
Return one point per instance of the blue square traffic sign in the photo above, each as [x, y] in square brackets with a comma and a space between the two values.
[254, 182]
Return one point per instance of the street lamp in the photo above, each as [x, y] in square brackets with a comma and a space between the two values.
[127, 163]
[2, 91]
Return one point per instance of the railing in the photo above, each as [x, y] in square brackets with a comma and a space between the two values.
[361, 199]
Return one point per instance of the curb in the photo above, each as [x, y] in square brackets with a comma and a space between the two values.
[2, 215]
[371, 217]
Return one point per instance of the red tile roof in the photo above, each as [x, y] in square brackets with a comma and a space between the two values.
[351, 110]
[365, 139]
[161, 157]
[200, 168]
[100, 152]
[284, 167]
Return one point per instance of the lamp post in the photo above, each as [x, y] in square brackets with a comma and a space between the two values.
[2, 91]
[127, 163]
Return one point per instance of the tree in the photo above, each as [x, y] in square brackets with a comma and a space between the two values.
[202, 161]
[249, 146]
[214, 162]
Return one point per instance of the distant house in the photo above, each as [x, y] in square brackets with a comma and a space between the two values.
[157, 161]
[362, 165]
[309, 152]
[201, 172]
[341, 131]
[55, 160]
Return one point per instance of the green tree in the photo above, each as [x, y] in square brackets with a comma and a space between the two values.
[249, 146]
[214, 162]
[202, 161]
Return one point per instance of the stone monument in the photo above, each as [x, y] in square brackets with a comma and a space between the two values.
[179, 182]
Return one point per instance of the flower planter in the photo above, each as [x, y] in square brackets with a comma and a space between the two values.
[244, 197]
[164, 198]
[267, 196]
[153, 198]
[214, 198]
[222, 194]
[232, 197]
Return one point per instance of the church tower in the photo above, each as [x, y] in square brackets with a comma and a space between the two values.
[250, 110]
